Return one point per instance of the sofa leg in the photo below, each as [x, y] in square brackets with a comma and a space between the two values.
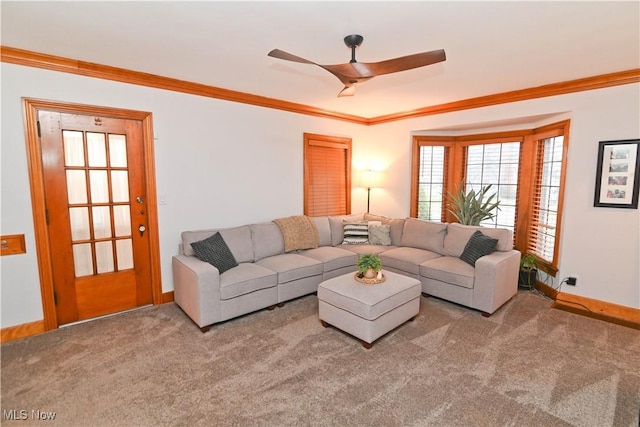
[271, 307]
[324, 324]
[485, 314]
[413, 318]
[205, 329]
[280, 304]
[425, 295]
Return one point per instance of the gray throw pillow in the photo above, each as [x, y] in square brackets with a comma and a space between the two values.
[215, 251]
[478, 246]
[380, 234]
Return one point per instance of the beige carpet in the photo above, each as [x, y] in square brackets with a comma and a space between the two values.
[527, 365]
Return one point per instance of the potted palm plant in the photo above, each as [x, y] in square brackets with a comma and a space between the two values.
[528, 271]
[472, 208]
[368, 266]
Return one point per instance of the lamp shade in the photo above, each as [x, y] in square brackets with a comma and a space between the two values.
[369, 179]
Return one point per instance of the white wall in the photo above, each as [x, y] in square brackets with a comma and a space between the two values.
[220, 164]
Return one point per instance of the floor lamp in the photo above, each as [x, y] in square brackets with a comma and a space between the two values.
[369, 179]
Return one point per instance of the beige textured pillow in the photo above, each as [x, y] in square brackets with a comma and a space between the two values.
[379, 234]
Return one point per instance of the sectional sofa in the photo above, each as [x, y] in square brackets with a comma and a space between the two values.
[270, 266]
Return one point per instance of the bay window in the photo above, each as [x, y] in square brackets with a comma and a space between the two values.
[525, 169]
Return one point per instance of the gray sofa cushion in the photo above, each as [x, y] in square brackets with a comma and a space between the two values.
[215, 251]
[458, 235]
[267, 240]
[337, 226]
[292, 266]
[333, 257]
[244, 279]
[478, 246]
[406, 259]
[237, 238]
[366, 249]
[424, 235]
[450, 270]
[324, 230]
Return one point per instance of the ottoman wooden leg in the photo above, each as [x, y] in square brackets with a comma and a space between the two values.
[367, 345]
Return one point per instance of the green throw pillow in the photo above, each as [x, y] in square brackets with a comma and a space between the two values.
[215, 251]
[478, 246]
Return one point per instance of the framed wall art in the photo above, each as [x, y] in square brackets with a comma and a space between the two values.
[617, 174]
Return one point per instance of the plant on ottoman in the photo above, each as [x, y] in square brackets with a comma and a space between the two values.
[368, 266]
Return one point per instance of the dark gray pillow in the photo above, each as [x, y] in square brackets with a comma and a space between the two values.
[215, 251]
[478, 246]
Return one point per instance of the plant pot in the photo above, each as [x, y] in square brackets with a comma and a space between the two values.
[370, 274]
[527, 278]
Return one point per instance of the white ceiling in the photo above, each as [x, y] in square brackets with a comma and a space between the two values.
[491, 47]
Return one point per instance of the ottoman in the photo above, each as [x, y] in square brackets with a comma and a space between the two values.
[368, 311]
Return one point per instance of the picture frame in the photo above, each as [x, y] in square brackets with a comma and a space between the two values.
[617, 174]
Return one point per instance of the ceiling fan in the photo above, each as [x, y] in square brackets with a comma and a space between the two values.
[354, 72]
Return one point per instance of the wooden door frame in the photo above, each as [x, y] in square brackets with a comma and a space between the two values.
[36, 183]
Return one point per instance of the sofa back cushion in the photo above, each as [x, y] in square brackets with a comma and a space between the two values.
[424, 235]
[324, 230]
[458, 235]
[267, 240]
[337, 226]
[238, 240]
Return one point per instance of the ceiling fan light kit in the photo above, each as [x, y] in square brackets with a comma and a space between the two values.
[354, 72]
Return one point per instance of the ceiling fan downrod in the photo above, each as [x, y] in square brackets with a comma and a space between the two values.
[352, 41]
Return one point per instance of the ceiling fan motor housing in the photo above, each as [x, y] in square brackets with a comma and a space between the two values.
[353, 40]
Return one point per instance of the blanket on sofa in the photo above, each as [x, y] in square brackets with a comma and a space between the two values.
[299, 232]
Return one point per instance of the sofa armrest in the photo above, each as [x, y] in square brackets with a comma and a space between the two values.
[496, 280]
[196, 287]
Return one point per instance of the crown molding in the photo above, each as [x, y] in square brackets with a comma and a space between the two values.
[90, 69]
[561, 88]
[56, 63]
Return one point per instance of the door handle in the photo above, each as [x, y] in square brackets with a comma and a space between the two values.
[142, 229]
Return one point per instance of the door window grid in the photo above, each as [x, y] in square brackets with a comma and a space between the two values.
[99, 209]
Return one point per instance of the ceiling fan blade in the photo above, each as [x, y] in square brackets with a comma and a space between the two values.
[348, 91]
[399, 64]
[281, 54]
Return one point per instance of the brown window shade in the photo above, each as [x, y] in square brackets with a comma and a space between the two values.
[546, 202]
[327, 175]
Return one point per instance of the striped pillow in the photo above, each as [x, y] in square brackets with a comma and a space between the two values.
[478, 246]
[356, 233]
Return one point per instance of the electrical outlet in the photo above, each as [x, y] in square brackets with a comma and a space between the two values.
[572, 280]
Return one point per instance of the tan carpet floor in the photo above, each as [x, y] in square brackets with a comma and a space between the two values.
[526, 365]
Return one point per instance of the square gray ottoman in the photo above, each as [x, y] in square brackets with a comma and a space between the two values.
[368, 311]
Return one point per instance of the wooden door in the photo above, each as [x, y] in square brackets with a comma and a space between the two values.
[96, 212]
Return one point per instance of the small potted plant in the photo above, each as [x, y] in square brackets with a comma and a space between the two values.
[528, 271]
[368, 266]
